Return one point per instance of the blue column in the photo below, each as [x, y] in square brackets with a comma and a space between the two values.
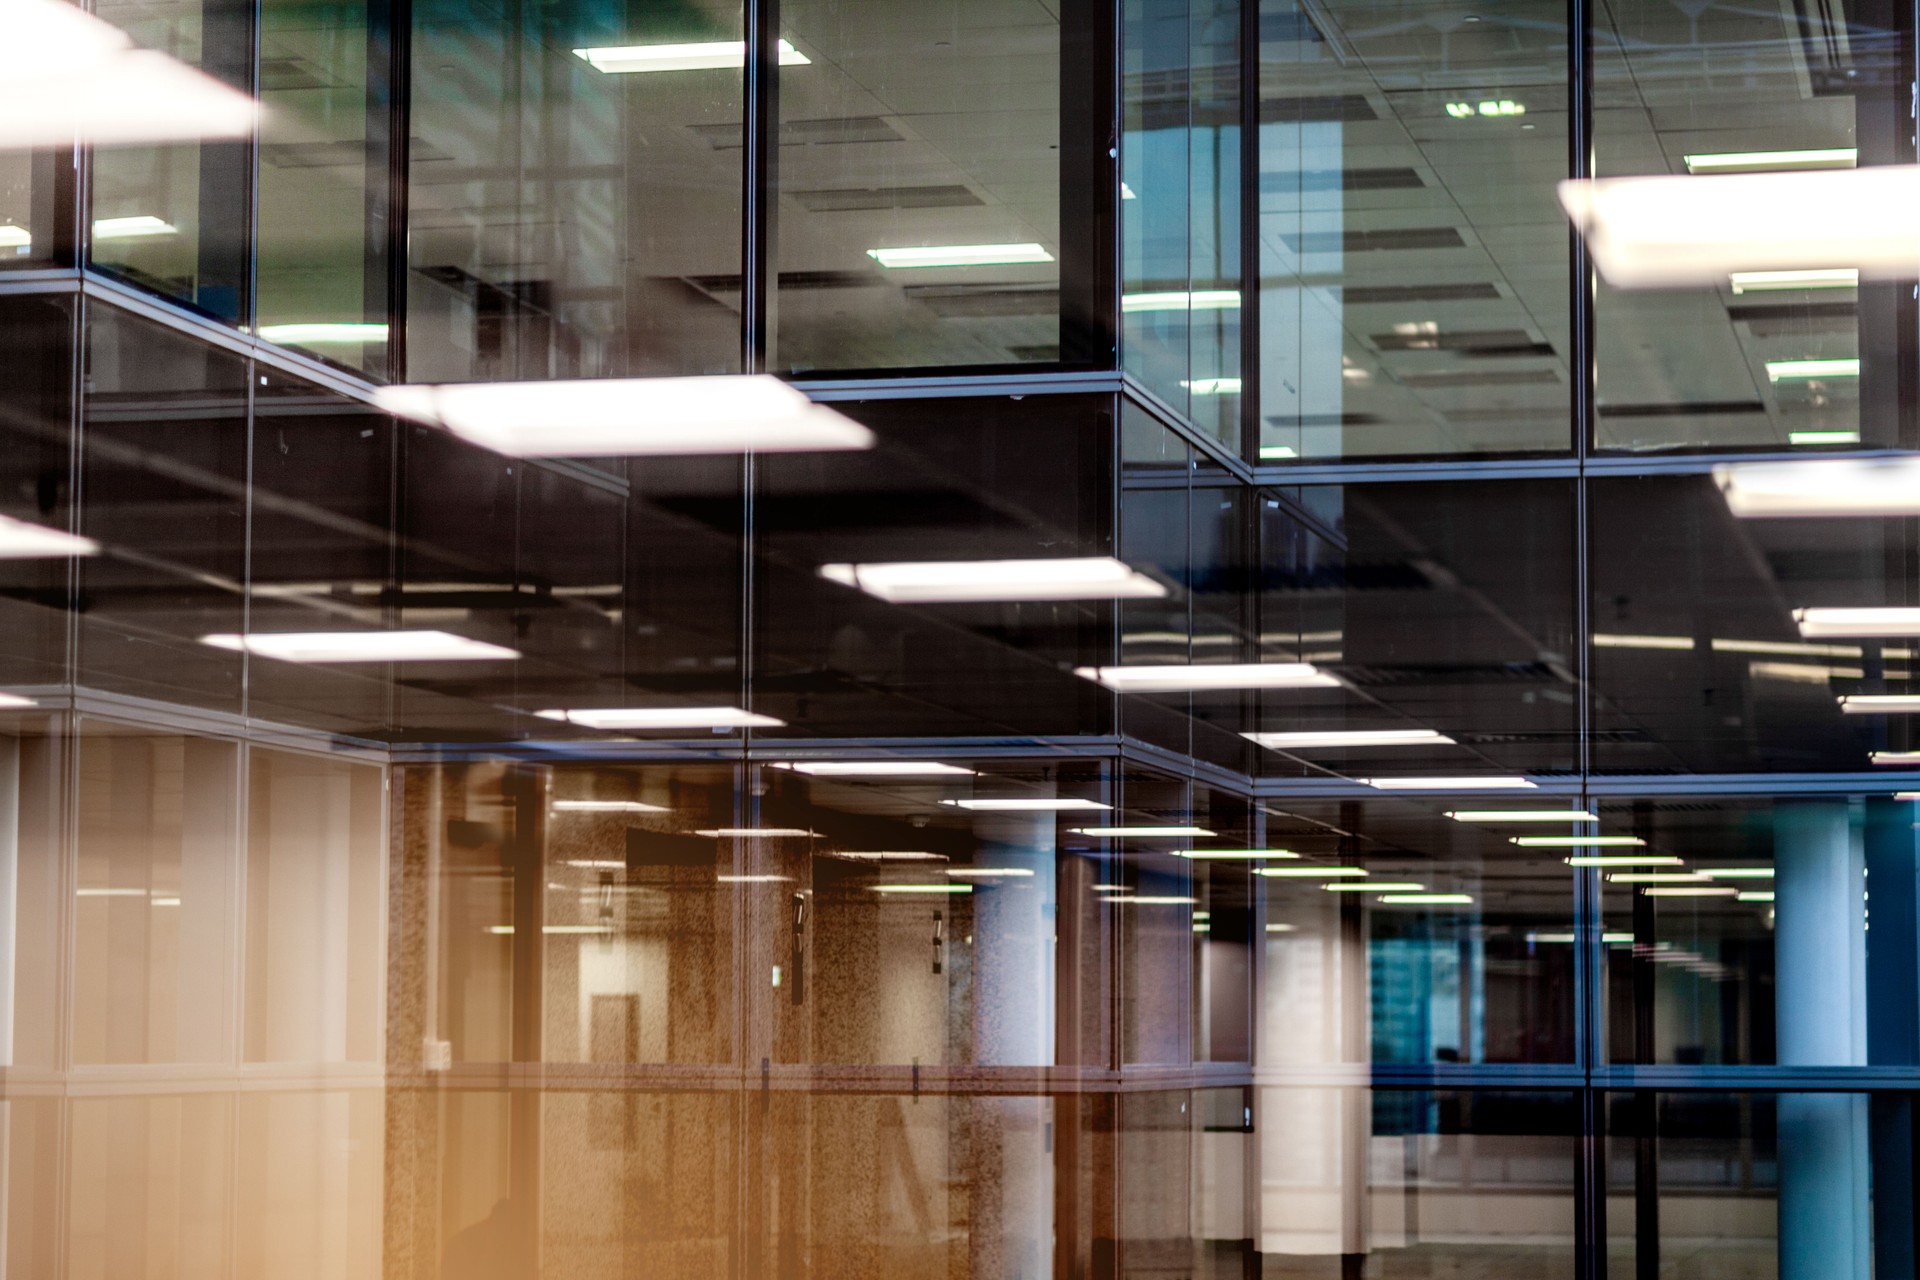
[1820, 1010]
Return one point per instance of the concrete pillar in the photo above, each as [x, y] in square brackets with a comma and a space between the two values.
[1820, 1011]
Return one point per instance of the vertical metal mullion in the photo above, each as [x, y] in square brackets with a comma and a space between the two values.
[397, 20]
[759, 176]
[1250, 229]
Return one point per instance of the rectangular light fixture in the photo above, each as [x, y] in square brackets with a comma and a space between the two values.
[1309, 873]
[996, 581]
[1233, 855]
[989, 873]
[360, 646]
[1373, 886]
[139, 226]
[1521, 815]
[1425, 899]
[1906, 795]
[1299, 741]
[753, 879]
[921, 888]
[1572, 937]
[1740, 873]
[1688, 891]
[1826, 623]
[1606, 640]
[20, 540]
[607, 806]
[322, 333]
[1797, 370]
[1038, 804]
[1823, 437]
[1212, 386]
[1813, 278]
[1874, 704]
[1121, 833]
[1657, 877]
[1754, 895]
[1691, 230]
[506, 930]
[15, 236]
[756, 833]
[1200, 300]
[596, 864]
[1578, 842]
[1772, 161]
[712, 55]
[1192, 678]
[889, 855]
[1894, 759]
[661, 718]
[960, 255]
[1624, 860]
[1489, 782]
[1156, 900]
[876, 769]
[13, 702]
[71, 76]
[1277, 452]
[639, 417]
[1821, 487]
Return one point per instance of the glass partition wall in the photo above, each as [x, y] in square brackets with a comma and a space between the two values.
[1450, 835]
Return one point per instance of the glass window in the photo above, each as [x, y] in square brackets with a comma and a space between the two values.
[36, 486]
[174, 218]
[1413, 273]
[1762, 360]
[919, 169]
[325, 151]
[574, 204]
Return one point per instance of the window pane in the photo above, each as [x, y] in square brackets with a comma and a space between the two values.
[1413, 272]
[568, 217]
[931, 127]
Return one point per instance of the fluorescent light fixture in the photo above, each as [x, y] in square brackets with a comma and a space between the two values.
[13, 702]
[360, 646]
[609, 417]
[327, 333]
[71, 76]
[1110, 888]
[1212, 386]
[1309, 873]
[1201, 300]
[1821, 623]
[661, 718]
[506, 930]
[1126, 192]
[166, 902]
[988, 873]
[1795, 370]
[1787, 647]
[1424, 899]
[1754, 895]
[1121, 833]
[1876, 704]
[1680, 891]
[1521, 815]
[753, 879]
[1815, 278]
[1038, 804]
[1605, 640]
[756, 833]
[1624, 860]
[596, 864]
[1233, 855]
[1490, 782]
[20, 540]
[890, 855]
[921, 888]
[1272, 452]
[1906, 795]
[1578, 842]
[1156, 900]
[140, 226]
[1772, 161]
[14, 236]
[1657, 877]
[1823, 437]
[1740, 873]
[877, 769]
[992, 581]
[607, 806]
[1895, 758]
[1373, 886]
[715, 55]
[1689, 230]
[959, 255]
[1282, 928]
[1571, 937]
[1487, 109]
[1822, 487]
[1188, 678]
[1349, 738]
[110, 893]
